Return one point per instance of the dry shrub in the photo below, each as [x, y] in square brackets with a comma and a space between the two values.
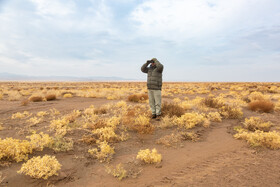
[89, 139]
[36, 99]
[170, 140]
[142, 125]
[49, 166]
[256, 123]
[137, 97]
[50, 97]
[172, 109]
[192, 136]
[190, 120]
[73, 116]
[149, 156]
[137, 122]
[67, 95]
[118, 172]
[104, 152]
[24, 102]
[14, 96]
[212, 102]
[61, 144]
[143, 129]
[261, 105]
[167, 122]
[231, 112]
[101, 110]
[98, 124]
[258, 138]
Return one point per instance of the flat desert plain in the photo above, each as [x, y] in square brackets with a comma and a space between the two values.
[102, 134]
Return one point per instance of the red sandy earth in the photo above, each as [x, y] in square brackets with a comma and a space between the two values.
[217, 159]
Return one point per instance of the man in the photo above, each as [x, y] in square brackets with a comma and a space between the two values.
[154, 70]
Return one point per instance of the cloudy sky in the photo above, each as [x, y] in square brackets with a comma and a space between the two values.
[195, 40]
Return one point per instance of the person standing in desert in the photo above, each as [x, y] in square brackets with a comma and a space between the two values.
[154, 70]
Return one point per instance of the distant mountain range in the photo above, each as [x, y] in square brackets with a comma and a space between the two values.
[16, 77]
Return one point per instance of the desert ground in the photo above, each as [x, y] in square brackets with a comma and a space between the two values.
[101, 134]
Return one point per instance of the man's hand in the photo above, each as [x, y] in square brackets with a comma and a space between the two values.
[149, 61]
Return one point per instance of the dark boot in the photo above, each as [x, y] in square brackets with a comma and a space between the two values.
[158, 117]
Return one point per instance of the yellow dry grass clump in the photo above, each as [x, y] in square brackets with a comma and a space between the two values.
[106, 134]
[60, 126]
[72, 116]
[14, 96]
[38, 167]
[68, 95]
[34, 121]
[61, 144]
[170, 140]
[54, 112]
[118, 172]
[42, 113]
[90, 110]
[214, 116]
[231, 112]
[257, 96]
[18, 150]
[149, 156]
[14, 149]
[103, 153]
[259, 138]
[19, 115]
[40, 141]
[142, 125]
[190, 120]
[256, 123]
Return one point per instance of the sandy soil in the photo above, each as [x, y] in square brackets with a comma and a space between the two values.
[217, 159]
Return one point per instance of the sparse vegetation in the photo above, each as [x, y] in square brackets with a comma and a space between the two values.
[94, 124]
[61, 144]
[137, 97]
[256, 123]
[259, 138]
[50, 97]
[67, 95]
[36, 98]
[231, 112]
[19, 115]
[189, 120]
[149, 156]
[172, 109]
[118, 172]
[14, 149]
[38, 167]
[261, 106]
[103, 153]
[142, 125]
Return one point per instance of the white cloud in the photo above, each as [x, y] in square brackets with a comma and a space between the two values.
[54, 8]
[185, 19]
